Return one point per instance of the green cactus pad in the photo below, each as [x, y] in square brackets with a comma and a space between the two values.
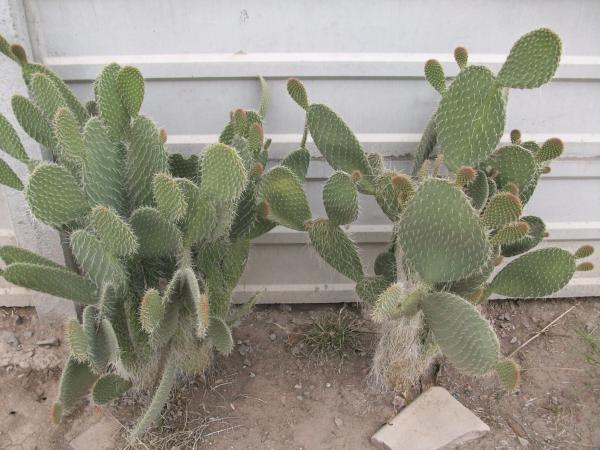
[434, 73]
[387, 195]
[152, 311]
[298, 92]
[369, 289]
[535, 274]
[155, 235]
[385, 265]
[108, 98]
[116, 234]
[376, 162]
[47, 96]
[220, 335]
[33, 121]
[52, 280]
[582, 252]
[109, 387]
[287, 202]
[461, 56]
[201, 218]
[340, 198]
[478, 190]
[426, 146]
[5, 49]
[510, 234]
[170, 199]
[223, 173]
[102, 342]
[395, 302]
[131, 89]
[10, 142]
[551, 149]
[11, 254]
[75, 382]
[76, 340]
[463, 335]
[470, 118]
[182, 167]
[255, 139]
[96, 262]
[537, 230]
[532, 61]
[146, 157]
[68, 135]
[103, 167]
[508, 373]
[337, 143]
[514, 164]
[298, 161]
[440, 233]
[336, 248]
[8, 177]
[54, 196]
[503, 208]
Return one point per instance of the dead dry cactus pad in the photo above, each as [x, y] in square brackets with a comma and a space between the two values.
[160, 240]
[450, 232]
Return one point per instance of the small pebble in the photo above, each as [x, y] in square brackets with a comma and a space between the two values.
[298, 386]
[338, 422]
[513, 340]
[252, 374]
[299, 397]
[272, 336]
[328, 385]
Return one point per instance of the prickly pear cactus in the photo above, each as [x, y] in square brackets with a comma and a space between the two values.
[449, 231]
[160, 240]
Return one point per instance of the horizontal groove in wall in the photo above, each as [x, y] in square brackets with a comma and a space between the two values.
[282, 65]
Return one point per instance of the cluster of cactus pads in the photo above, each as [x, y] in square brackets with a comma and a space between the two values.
[451, 231]
[160, 240]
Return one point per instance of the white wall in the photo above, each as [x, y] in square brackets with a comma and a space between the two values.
[364, 59]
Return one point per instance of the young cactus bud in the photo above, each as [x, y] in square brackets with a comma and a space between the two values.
[424, 170]
[465, 176]
[434, 73]
[257, 170]
[240, 120]
[152, 311]
[515, 136]
[512, 188]
[461, 56]
[255, 138]
[498, 260]
[584, 251]
[298, 93]
[546, 170]
[551, 149]
[503, 208]
[267, 144]
[163, 135]
[202, 311]
[437, 164]
[509, 374]
[19, 53]
[403, 184]
[585, 267]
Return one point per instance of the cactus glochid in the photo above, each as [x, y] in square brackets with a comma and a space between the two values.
[160, 240]
[449, 231]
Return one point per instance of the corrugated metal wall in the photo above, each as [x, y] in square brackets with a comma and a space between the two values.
[364, 59]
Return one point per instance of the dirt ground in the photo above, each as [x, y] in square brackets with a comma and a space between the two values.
[274, 392]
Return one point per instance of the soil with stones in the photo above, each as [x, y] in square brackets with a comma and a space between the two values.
[276, 392]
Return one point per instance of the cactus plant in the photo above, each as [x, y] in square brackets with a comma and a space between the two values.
[160, 240]
[449, 231]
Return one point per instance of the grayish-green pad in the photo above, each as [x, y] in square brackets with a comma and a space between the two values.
[287, 202]
[5, 49]
[156, 236]
[11, 254]
[389, 195]
[260, 227]
[514, 164]
[265, 97]
[478, 190]
[108, 98]
[434, 74]
[33, 121]
[10, 142]
[532, 146]
[152, 311]
[425, 147]
[469, 285]
[54, 196]
[369, 289]
[103, 167]
[245, 215]
[52, 280]
[532, 61]
[535, 274]
[8, 177]
[340, 198]
[336, 248]
[537, 229]
[182, 167]
[75, 382]
[470, 118]
[395, 301]
[226, 136]
[76, 340]
[298, 161]
[376, 162]
[501, 209]
[509, 374]
[47, 96]
[102, 341]
[385, 265]
[551, 149]
[463, 335]
[95, 260]
[131, 89]
[70, 98]
[201, 218]
[146, 157]
[220, 335]
[337, 143]
[116, 234]
[223, 173]
[109, 387]
[451, 247]
[68, 135]
[298, 92]
[170, 199]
